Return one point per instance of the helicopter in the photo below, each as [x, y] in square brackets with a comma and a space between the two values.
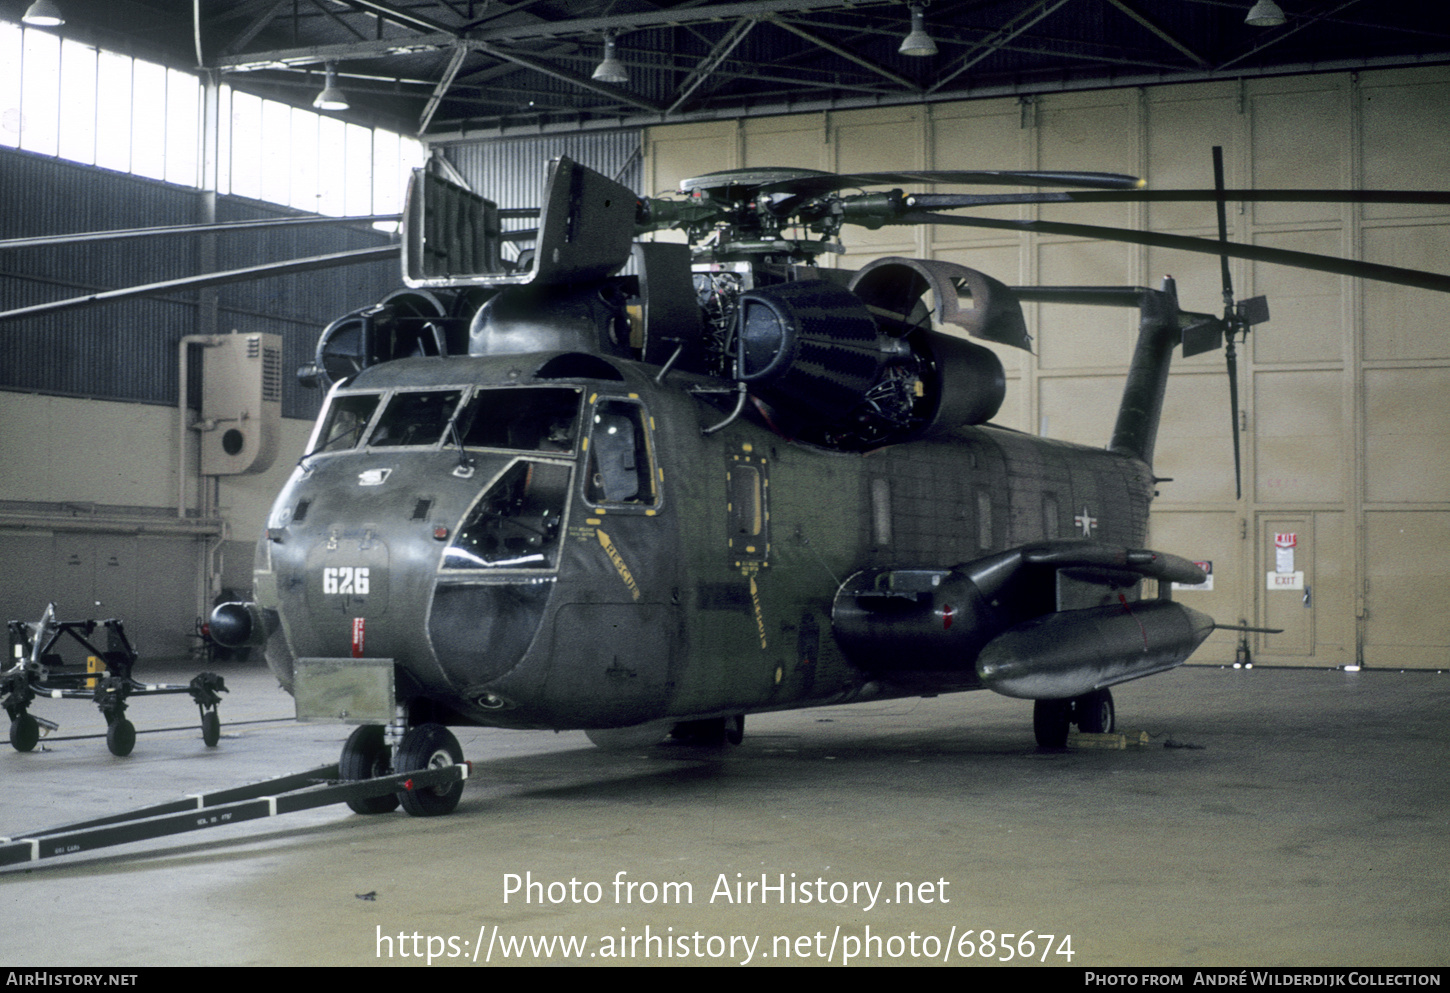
[646, 487]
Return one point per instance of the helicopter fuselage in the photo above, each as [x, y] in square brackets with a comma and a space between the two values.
[561, 540]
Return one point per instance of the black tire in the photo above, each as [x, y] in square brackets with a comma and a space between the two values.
[121, 737]
[735, 729]
[366, 755]
[211, 728]
[429, 746]
[24, 733]
[1050, 720]
[1093, 712]
[708, 733]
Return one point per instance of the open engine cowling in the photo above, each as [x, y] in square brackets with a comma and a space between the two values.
[856, 375]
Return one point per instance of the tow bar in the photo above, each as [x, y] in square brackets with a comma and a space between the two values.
[284, 795]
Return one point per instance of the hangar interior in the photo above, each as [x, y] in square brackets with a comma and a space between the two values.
[1343, 417]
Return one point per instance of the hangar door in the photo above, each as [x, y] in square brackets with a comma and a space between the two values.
[148, 581]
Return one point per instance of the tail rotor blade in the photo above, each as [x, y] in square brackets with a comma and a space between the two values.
[1232, 358]
[1230, 320]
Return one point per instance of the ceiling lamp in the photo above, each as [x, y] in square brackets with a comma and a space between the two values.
[610, 70]
[1266, 14]
[331, 97]
[43, 14]
[918, 42]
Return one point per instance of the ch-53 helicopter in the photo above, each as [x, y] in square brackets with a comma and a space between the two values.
[542, 494]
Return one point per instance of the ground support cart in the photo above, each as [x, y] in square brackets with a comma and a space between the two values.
[38, 672]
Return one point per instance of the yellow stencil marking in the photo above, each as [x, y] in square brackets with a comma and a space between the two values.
[624, 574]
[759, 618]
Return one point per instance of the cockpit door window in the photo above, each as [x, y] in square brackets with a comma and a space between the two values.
[516, 523]
[620, 462]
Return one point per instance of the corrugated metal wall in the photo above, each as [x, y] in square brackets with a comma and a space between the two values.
[127, 350]
[511, 171]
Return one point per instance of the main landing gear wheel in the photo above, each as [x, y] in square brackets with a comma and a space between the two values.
[365, 756]
[711, 732]
[24, 733]
[1093, 712]
[1050, 720]
[121, 737]
[429, 746]
[211, 728]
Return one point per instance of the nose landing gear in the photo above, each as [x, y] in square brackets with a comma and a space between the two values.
[367, 755]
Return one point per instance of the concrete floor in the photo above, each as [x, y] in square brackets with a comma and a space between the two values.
[1306, 823]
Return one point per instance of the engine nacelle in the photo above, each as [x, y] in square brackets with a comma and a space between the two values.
[854, 376]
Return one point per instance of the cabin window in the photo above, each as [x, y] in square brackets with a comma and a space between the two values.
[522, 420]
[517, 522]
[1050, 524]
[413, 419]
[747, 509]
[346, 419]
[620, 468]
[747, 491]
[984, 519]
[881, 511]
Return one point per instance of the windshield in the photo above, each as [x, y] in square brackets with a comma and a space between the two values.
[520, 419]
[543, 419]
[415, 418]
[347, 418]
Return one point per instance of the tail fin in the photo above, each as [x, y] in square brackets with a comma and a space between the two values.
[1161, 326]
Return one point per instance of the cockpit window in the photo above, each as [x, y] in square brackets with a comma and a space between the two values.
[418, 418]
[620, 467]
[523, 419]
[517, 523]
[347, 418]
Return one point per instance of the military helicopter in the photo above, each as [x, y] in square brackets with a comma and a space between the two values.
[545, 494]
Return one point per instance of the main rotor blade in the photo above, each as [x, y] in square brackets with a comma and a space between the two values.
[810, 186]
[1183, 243]
[354, 257]
[949, 201]
[220, 227]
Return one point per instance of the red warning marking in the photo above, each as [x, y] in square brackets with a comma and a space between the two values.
[946, 617]
[357, 637]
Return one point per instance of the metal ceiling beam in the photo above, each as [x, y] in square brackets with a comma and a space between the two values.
[711, 62]
[337, 19]
[844, 53]
[406, 18]
[252, 30]
[502, 126]
[314, 54]
[1035, 12]
[677, 17]
[449, 75]
[1161, 34]
[544, 29]
[1283, 33]
[528, 62]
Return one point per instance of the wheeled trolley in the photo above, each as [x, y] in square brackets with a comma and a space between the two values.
[39, 671]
